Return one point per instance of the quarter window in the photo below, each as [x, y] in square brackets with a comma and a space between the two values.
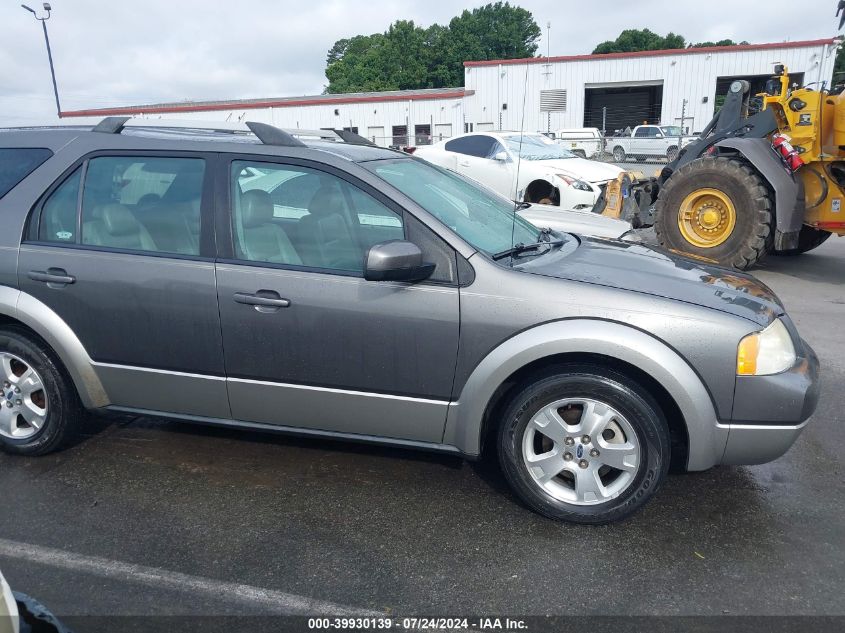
[59, 213]
[298, 216]
[143, 203]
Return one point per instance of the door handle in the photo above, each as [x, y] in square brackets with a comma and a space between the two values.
[273, 302]
[52, 276]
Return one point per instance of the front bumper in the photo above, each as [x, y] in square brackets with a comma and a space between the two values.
[770, 412]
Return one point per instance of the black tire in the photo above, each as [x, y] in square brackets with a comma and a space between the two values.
[808, 239]
[619, 154]
[64, 410]
[580, 153]
[603, 385]
[752, 236]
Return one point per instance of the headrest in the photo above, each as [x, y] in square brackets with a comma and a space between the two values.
[326, 201]
[117, 219]
[256, 208]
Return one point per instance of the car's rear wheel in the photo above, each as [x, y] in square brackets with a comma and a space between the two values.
[585, 444]
[39, 407]
[619, 154]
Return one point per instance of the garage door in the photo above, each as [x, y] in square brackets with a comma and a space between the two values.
[626, 105]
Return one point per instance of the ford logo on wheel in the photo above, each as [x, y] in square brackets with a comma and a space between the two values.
[580, 451]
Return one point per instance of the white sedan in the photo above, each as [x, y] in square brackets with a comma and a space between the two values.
[9, 617]
[524, 167]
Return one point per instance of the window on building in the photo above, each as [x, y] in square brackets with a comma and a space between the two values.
[422, 134]
[400, 135]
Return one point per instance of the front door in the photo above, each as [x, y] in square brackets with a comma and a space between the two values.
[308, 342]
[128, 265]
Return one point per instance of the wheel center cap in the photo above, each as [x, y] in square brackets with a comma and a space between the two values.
[709, 218]
[579, 452]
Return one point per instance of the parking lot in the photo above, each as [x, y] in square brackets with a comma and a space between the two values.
[152, 517]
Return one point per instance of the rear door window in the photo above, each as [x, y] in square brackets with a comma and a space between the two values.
[135, 203]
[143, 204]
[18, 163]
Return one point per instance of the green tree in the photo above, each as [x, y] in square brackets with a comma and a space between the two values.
[719, 43]
[407, 56]
[631, 40]
[839, 66]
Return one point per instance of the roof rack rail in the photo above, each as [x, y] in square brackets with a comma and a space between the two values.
[270, 135]
[353, 138]
[111, 125]
[267, 134]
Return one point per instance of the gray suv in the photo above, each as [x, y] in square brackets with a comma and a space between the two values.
[328, 288]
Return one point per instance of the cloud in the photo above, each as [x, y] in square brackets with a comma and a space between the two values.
[124, 53]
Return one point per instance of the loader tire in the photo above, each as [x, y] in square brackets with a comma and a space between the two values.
[716, 208]
[808, 239]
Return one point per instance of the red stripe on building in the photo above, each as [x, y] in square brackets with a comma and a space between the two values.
[252, 105]
[661, 53]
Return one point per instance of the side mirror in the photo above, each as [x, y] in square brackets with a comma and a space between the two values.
[396, 260]
[659, 135]
[501, 157]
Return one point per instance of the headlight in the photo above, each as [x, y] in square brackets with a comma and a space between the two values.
[575, 183]
[765, 353]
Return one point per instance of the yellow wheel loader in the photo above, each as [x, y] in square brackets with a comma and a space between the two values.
[771, 182]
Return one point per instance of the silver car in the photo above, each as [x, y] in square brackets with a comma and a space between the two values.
[370, 296]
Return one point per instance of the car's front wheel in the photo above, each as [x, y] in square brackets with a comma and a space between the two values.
[39, 407]
[585, 444]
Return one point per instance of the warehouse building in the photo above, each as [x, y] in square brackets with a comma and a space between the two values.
[613, 91]
[404, 117]
[618, 90]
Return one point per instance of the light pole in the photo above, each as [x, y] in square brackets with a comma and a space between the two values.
[43, 21]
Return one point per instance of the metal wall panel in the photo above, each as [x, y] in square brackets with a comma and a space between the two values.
[690, 76]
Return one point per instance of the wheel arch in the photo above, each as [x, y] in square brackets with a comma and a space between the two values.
[668, 377]
[537, 187]
[24, 310]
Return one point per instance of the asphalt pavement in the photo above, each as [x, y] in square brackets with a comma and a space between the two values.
[152, 517]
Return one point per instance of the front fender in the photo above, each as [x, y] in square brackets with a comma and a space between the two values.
[608, 338]
[789, 191]
[60, 337]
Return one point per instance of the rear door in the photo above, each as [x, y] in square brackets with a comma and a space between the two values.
[640, 143]
[309, 343]
[121, 248]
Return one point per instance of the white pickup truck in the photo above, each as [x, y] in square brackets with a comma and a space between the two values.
[649, 141]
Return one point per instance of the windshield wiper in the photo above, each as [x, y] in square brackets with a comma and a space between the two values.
[518, 249]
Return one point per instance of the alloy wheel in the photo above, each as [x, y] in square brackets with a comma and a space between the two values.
[581, 451]
[23, 398]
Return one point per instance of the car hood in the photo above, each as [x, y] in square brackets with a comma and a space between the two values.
[582, 168]
[580, 222]
[653, 271]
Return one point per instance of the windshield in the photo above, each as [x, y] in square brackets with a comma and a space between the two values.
[671, 130]
[482, 218]
[536, 147]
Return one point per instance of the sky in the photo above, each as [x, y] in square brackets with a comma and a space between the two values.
[125, 53]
